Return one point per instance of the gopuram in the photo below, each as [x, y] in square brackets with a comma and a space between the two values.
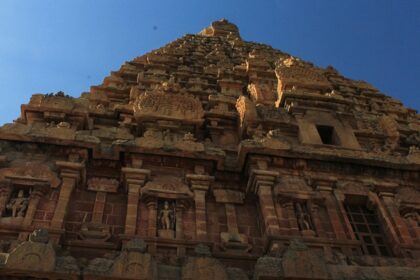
[212, 158]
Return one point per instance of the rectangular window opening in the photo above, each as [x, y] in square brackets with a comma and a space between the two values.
[366, 228]
[327, 135]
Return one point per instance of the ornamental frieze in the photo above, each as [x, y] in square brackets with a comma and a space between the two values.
[160, 105]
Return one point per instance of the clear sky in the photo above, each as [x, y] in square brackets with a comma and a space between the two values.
[52, 45]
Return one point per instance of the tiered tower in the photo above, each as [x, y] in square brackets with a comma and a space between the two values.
[212, 158]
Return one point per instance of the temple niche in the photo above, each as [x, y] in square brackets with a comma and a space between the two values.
[17, 205]
[166, 221]
[212, 157]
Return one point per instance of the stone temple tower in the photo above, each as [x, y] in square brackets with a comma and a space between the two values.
[212, 158]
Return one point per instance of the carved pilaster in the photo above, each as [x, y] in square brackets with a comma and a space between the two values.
[337, 217]
[388, 199]
[181, 206]
[232, 239]
[200, 184]
[151, 204]
[261, 182]
[5, 192]
[134, 180]
[38, 191]
[71, 173]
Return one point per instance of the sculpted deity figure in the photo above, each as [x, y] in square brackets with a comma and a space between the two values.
[18, 205]
[166, 216]
[303, 218]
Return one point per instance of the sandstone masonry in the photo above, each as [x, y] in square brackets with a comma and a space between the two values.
[212, 158]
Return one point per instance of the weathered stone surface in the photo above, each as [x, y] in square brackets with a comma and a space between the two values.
[301, 263]
[205, 159]
[33, 255]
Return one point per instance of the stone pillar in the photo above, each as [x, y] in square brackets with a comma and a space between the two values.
[326, 189]
[200, 214]
[98, 208]
[232, 239]
[179, 221]
[67, 187]
[134, 180]
[5, 192]
[34, 198]
[151, 205]
[133, 198]
[232, 223]
[200, 184]
[261, 182]
[398, 222]
[71, 173]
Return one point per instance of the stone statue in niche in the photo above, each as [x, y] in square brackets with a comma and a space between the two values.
[17, 206]
[303, 218]
[166, 221]
[166, 216]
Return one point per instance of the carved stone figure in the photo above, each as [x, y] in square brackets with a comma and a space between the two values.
[166, 217]
[18, 205]
[303, 218]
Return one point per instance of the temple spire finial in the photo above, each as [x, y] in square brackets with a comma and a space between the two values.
[221, 27]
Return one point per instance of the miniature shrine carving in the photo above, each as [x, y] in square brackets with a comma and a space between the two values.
[18, 205]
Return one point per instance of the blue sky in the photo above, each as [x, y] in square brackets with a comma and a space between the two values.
[52, 45]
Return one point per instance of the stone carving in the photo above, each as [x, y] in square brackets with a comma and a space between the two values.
[134, 263]
[221, 28]
[413, 140]
[414, 155]
[166, 218]
[202, 250]
[94, 232]
[310, 264]
[294, 72]
[263, 91]
[32, 171]
[18, 205]
[136, 245]
[244, 112]
[155, 138]
[303, 217]
[165, 186]
[275, 140]
[33, 255]
[188, 143]
[39, 236]
[103, 184]
[160, 105]
[203, 266]
[390, 127]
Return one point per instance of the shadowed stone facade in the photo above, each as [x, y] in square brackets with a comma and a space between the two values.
[212, 158]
